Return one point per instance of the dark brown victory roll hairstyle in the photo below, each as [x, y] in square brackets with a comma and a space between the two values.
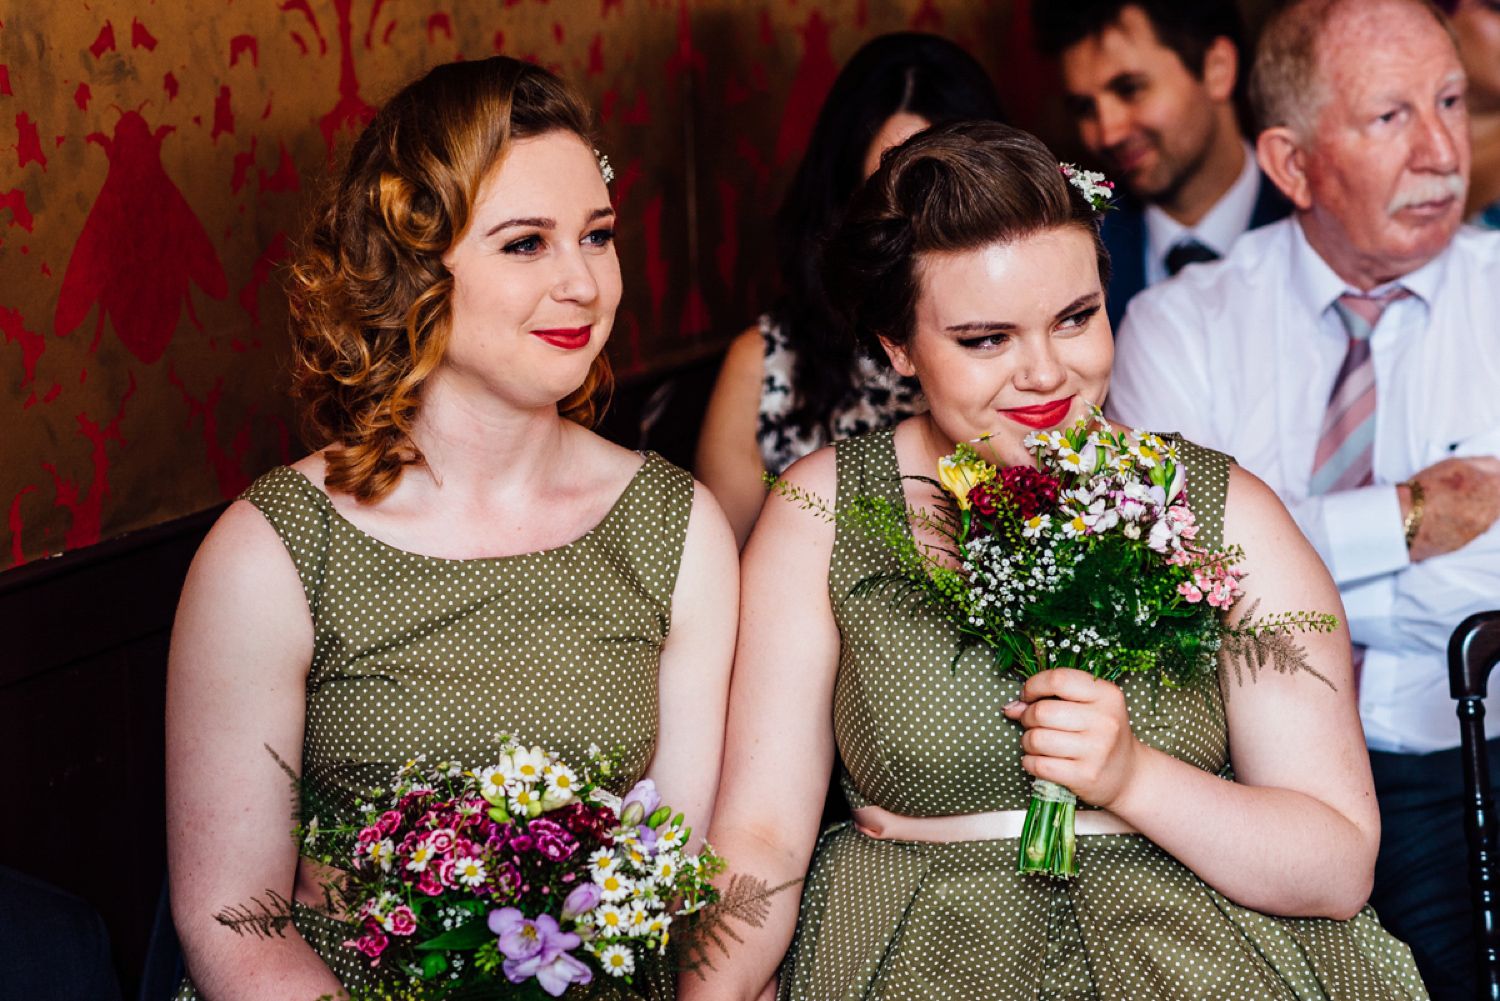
[956, 187]
[370, 295]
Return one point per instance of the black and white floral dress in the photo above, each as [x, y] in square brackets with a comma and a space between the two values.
[881, 398]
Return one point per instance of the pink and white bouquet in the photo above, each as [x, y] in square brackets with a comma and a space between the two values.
[1089, 559]
[515, 880]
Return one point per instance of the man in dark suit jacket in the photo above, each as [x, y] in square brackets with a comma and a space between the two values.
[1155, 87]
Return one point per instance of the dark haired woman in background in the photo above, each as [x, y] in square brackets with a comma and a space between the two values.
[975, 267]
[463, 558]
[796, 381]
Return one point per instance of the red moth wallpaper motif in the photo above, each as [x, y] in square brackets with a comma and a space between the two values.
[158, 160]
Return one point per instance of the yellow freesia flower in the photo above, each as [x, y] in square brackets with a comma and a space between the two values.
[960, 473]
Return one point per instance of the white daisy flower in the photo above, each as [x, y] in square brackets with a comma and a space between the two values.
[614, 885]
[669, 837]
[658, 924]
[560, 776]
[525, 801]
[421, 857]
[492, 783]
[561, 786]
[469, 871]
[638, 918]
[667, 867]
[617, 960]
[523, 765]
[382, 853]
[1036, 526]
[635, 853]
[602, 862]
[611, 920]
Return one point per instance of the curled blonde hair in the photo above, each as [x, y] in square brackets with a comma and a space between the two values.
[371, 299]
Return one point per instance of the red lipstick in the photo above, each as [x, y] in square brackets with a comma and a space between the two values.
[569, 339]
[1043, 415]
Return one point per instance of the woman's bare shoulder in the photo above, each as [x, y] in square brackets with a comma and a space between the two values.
[1252, 510]
[745, 359]
[314, 467]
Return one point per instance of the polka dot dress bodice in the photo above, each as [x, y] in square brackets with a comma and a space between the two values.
[922, 736]
[417, 654]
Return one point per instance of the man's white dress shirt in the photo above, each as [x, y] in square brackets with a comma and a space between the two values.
[1217, 230]
[1241, 354]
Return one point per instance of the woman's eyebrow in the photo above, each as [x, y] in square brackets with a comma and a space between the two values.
[1089, 299]
[536, 221]
[541, 222]
[981, 325]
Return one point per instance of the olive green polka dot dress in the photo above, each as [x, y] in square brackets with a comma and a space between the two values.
[902, 920]
[416, 654]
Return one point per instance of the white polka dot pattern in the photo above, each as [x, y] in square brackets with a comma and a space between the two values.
[921, 736]
[418, 654]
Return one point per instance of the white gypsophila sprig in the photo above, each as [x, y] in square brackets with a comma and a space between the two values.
[1090, 184]
[605, 168]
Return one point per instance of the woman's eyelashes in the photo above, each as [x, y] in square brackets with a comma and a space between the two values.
[526, 246]
[1079, 319]
[984, 342]
[992, 339]
[533, 244]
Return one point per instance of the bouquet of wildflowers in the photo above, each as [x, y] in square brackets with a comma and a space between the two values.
[1086, 560]
[512, 880]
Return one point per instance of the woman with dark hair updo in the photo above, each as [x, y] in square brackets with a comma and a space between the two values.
[796, 380]
[1227, 829]
[463, 557]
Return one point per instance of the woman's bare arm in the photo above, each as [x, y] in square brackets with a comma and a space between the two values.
[728, 459]
[780, 741]
[235, 685]
[1297, 832]
[695, 663]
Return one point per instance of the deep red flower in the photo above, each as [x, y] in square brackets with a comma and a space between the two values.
[582, 818]
[984, 500]
[1029, 489]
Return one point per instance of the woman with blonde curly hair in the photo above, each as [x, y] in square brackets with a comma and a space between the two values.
[463, 557]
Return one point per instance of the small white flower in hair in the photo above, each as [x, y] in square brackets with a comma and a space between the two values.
[1091, 184]
[609, 172]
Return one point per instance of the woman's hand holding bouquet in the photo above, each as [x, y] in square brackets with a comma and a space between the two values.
[1084, 566]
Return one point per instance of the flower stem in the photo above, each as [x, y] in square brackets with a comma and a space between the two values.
[1048, 841]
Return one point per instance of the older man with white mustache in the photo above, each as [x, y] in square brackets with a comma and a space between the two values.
[1350, 357]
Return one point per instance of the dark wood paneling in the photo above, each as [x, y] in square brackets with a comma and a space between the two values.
[83, 664]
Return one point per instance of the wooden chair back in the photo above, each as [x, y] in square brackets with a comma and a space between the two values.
[1473, 652]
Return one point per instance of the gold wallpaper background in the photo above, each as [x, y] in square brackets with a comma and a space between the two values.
[158, 159]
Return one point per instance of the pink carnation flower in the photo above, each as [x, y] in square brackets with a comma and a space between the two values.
[371, 944]
[401, 921]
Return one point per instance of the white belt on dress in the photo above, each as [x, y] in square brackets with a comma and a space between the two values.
[873, 822]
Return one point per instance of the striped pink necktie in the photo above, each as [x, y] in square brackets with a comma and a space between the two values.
[1345, 459]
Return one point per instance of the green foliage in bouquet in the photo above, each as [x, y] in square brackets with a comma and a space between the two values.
[1086, 560]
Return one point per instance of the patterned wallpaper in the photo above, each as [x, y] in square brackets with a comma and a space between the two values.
[158, 158]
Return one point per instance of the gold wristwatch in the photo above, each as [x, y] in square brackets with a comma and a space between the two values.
[1413, 523]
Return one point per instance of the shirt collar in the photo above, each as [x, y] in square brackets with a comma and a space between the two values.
[1220, 226]
[1317, 285]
